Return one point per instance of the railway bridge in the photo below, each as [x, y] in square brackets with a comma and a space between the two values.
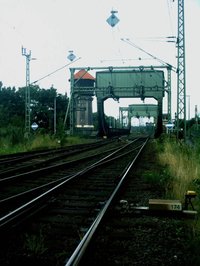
[115, 82]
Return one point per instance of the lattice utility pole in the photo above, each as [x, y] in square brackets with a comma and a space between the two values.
[27, 93]
[71, 102]
[181, 85]
[169, 93]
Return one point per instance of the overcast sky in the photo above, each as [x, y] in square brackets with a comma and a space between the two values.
[51, 28]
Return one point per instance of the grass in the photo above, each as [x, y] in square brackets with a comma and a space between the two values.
[40, 141]
[182, 162]
[34, 244]
[183, 166]
[180, 173]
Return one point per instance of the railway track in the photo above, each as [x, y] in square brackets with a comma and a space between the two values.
[69, 206]
[19, 163]
[33, 182]
[130, 236]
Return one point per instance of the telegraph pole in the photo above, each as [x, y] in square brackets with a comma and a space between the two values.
[181, 85]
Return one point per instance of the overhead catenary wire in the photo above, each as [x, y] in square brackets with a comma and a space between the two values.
[161, 39]
[171, 15]
[124, 59]
[54, 71]
[154, 57]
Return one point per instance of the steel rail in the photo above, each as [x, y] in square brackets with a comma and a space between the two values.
[84, 243]
[10, 217]
[64, 153]
[52, 167]
[38, 188]
[5, 157]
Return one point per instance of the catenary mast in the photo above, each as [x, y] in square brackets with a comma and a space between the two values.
[181, 84]
[27, 92]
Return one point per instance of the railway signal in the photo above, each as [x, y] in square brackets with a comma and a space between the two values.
[34, 126]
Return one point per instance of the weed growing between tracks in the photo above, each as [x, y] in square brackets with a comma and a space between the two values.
[159, 239]
[182, 166]
[34, 244]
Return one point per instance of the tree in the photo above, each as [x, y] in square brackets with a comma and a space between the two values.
[12, 106]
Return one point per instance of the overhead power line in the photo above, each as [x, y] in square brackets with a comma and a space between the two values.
[55, 71]
[154, 57]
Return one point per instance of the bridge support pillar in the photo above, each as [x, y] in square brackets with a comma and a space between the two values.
[102, 126]
[159, 129]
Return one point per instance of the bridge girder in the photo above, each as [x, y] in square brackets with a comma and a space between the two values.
[123, 82]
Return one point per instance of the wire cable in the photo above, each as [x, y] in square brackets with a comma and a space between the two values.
[55, 71]
[154, 57]
[169, 7]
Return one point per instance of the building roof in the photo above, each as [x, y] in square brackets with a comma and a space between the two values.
[83, 74]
